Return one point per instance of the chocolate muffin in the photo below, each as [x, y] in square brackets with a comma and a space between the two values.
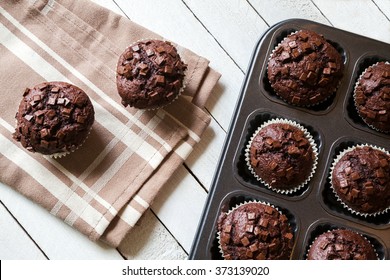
[282, 155]
[305, 69]
[150, 74]
[360, 178]
[255, 231]
[372, 96]
[54, 118]
[341, 244]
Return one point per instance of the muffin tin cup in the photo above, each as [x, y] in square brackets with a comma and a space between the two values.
[284, 100]
[311, 141]
[185, 79]
[234, 208]
[376, 253]
[238, 206]
[334, 125]
[334, 191]
[356, 105]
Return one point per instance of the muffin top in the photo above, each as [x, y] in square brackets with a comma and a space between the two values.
[281, 155]
[372, 96]
[341, 244]
[53, 117]
[305, 69]
[361, 179]
[255, 231]
[150, 74]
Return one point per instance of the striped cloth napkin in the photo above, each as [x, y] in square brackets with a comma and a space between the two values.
[104, 187]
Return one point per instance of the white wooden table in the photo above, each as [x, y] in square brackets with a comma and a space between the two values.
[225, 32]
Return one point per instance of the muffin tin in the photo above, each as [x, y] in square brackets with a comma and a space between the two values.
[334, 125]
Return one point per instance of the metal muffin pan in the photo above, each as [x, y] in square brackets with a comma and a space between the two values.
[334, 125]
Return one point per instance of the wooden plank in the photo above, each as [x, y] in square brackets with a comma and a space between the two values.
[204, 158]
[362, 17]
[182, 190]
[179, 206]
[56, 239]
[274, 11]
[384, 7]
[150, 240]
[109, 4]
[234, 24]
[15, 244]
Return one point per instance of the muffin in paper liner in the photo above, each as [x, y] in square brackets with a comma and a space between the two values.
[351, 242]
[367, 186]
[267, 235]
[54, 119]
[155, 73]
[285, 184]
[321, 85]
[373, 108]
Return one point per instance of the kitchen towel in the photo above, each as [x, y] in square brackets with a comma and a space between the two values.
[103, 188]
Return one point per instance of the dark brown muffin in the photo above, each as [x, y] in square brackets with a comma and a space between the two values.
[361, 179]
[305, 69]
[372, 96]
[341, 244]
[255, 231]
[150, 74]
[282, 156]
[53, 117]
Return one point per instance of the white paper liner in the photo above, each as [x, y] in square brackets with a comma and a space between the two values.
[330, 230]
[308, 137]
[288, 102]
[238, 206]
[354, 98]
[185, 79]
[342, 153]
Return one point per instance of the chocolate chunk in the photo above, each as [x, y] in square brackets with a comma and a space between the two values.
[135, 48]
[284, 56]
[51, 101]
[149, 52]
[227, 228]
[249, 228]
[355, 176]
[28, 117]
[251, 215]
[292, 44]
[160, 80]
[264, 222]
[245, 241]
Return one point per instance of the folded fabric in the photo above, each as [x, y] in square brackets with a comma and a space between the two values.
[104, 187]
